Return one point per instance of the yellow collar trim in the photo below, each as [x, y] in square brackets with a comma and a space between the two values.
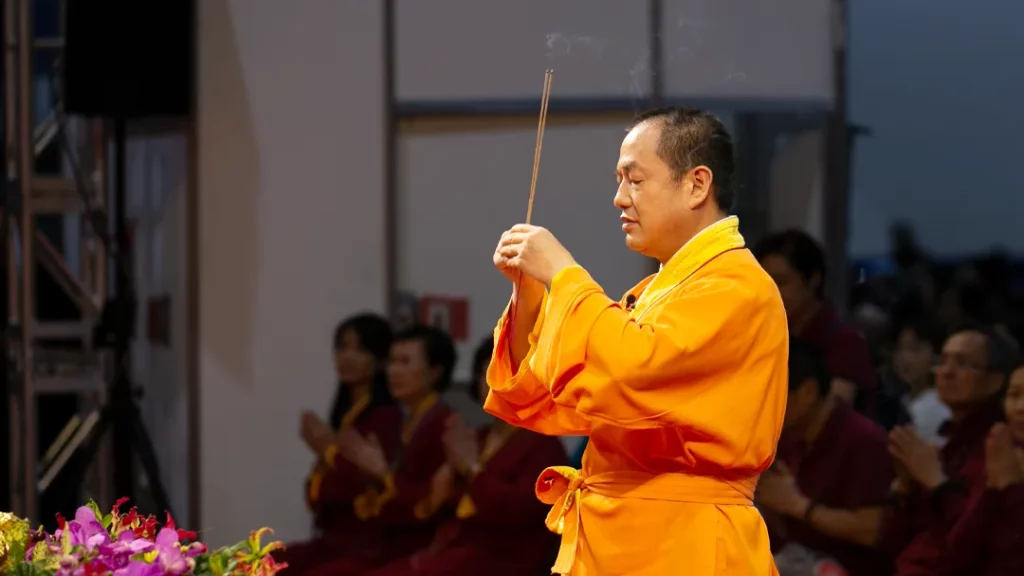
[706, 245]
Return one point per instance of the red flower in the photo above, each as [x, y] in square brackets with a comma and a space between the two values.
[95, 568]
[61, 522]
[182, 534]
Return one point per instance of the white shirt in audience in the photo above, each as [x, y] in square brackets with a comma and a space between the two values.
[928, 414]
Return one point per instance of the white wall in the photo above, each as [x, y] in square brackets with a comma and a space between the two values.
[737, 49]
[291, 141]
[469, 50]
[796, 182]
[757, 50]
[459, 192]
[156, 204]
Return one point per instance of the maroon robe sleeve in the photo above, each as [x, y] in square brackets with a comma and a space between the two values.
[344, 482]
[341, 485]
[968, 539]
[1009, 555]
[992, 522]
[948, 503]
[870, 473]
[898, 523]
[502, 500]
[1012, 510]
[420, 460]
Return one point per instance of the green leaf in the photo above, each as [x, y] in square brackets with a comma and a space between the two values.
[92, 505]
[26, 569]
[65, 542]
[107, 519]
[217, 565]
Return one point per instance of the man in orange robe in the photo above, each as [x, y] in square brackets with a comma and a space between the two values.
[681, 386]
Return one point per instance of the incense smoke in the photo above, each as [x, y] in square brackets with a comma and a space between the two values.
[637, 73]
[562, 45]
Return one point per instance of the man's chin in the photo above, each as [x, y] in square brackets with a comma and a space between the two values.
[635, 244]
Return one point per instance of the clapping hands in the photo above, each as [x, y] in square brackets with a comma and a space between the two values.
[919, 460]
[1004, 462]
[460, 445]
[365, 453]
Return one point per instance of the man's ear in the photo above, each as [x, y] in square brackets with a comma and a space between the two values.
[700, 179]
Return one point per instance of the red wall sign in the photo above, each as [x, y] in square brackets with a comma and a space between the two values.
[448, 313]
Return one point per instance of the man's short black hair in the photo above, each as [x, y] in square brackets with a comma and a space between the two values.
[438, 348]
[798, 248]
[1000, 354]
[807, 363]
[691, 138]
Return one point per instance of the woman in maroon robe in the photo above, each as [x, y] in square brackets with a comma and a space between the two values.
[488, 481]
[988, 539]
[419, 369]
[363, 404]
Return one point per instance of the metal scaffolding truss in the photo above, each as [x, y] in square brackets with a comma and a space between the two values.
[36, 366]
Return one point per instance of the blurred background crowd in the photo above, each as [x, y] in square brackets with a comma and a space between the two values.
[247, 259]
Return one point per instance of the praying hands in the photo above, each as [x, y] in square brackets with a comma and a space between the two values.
[1004, 462]
[365, 453]
[920, 459]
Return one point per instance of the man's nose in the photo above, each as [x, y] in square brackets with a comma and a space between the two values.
[621, 200]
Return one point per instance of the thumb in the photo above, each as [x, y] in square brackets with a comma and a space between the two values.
[371, 439]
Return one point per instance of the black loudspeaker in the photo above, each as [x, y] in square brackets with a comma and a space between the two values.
[129, 58]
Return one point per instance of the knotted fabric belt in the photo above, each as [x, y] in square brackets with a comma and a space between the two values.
[561, 487]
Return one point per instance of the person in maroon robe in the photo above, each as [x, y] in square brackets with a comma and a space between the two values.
[489, 482]
[363, 403]
[832, 473]
[419, 368]
[988, 540]
[797, 264]
[933, 485]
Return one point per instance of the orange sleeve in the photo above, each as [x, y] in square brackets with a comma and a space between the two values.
[519, 397]
[711, 357]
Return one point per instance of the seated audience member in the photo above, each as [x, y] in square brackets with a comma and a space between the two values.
[832, 472]
[489, 482]
[988, 540]
[419, 369]
[913, 361]
[362, 404]
[932, 485]
[797, 264]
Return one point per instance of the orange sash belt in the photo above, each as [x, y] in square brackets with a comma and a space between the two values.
[561, 487]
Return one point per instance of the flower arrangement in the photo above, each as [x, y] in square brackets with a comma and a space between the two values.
[116, 544]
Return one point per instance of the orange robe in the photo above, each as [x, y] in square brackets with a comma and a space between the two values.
[683, 398]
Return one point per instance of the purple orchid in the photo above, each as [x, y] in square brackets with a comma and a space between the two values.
[171, 557]
[86, 530]
[117, 554]
[133, 545]
[139, 568]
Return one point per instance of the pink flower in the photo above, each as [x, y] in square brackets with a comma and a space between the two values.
[117, 554]
[170, 557]
[86, 530]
